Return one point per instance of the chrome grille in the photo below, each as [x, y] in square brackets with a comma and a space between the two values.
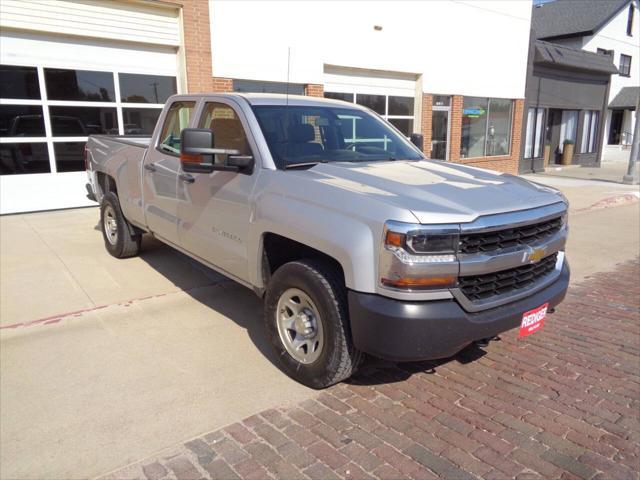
[480, 287]
[509, 237]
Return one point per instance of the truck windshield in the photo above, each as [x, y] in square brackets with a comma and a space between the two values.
[307, 135]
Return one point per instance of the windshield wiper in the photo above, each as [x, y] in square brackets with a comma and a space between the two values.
[303, 164]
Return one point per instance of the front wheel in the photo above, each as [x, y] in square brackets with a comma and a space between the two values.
[116, 231]
[307, 323]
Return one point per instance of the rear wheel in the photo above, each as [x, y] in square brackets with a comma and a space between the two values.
[307, 323]
[116, 231]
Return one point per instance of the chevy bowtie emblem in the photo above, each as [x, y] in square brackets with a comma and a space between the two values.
[535, 255]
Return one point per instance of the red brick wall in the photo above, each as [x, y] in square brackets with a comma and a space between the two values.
[314, 90]
[197, 44]
[427, 107]
[505, 163]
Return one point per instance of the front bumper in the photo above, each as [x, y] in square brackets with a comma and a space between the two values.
[408, 331]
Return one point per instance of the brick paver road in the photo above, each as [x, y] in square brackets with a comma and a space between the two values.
[563, 403]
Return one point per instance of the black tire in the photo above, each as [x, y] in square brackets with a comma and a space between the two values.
[338, 358]
[123, 243]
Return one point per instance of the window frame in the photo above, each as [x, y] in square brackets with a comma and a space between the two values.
[486, 132]
[627, 73]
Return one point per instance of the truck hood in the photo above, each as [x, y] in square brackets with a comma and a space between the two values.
[435, 192]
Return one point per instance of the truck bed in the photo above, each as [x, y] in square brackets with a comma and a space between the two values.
[120, 157]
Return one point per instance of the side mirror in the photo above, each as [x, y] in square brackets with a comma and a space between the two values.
[418, 140]
[197, 153]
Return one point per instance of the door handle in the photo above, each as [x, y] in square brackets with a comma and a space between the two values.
[186, 178]
[150, 166]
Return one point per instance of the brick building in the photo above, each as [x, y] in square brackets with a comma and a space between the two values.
[453, 71]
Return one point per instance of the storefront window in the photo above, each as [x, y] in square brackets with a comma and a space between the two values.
[486, 127]
[589, 131]
[568, 127]
[535, 127]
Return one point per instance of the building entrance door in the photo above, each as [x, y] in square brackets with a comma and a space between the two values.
[615, 129]
[440, 135]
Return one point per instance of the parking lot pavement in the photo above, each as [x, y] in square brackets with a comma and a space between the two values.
[562, 403]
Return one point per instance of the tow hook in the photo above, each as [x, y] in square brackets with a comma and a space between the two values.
[484, 342]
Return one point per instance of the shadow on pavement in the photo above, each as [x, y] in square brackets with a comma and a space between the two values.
[245, 309]
[374, 371]
[230, 299]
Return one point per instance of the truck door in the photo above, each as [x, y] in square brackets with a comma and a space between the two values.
[160, 173]
[215, 208]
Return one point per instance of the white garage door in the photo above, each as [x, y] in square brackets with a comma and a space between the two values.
[55, 91]
[390, 95]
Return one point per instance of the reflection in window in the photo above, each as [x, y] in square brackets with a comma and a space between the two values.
[21, 121]
[83, 121]
[79, 85]
[19, 82]
[140, 121]
[374, 102]
[18, 158]
[69, 156]
[400, 105]
[136, 88]
[486, 127]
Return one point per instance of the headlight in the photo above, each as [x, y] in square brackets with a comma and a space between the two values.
[418, 257]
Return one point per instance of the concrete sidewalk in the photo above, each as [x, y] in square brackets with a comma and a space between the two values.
[104, 361]
[607, 172]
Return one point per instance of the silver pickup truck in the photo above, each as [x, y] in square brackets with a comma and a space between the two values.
[355, 241]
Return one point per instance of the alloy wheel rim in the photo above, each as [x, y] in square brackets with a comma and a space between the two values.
[299, 326]
[110, 225]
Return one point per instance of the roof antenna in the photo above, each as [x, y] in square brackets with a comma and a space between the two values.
[288, 69]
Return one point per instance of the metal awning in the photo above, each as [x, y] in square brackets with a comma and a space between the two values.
[627, 98]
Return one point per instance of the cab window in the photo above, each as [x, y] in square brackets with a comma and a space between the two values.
[228, 132]
[176, 120]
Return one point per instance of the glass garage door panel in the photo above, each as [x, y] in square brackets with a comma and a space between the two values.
[21, 158]
[21, 121]
[79, 85]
